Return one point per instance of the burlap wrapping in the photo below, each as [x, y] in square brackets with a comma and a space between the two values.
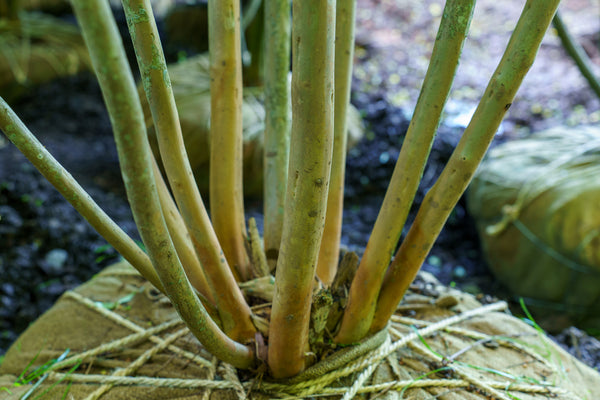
[190, 81]
[36, 49]
[137, 348]
[537, 206]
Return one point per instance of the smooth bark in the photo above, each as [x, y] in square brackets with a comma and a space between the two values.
[577, 53]
[120, 95]
[233, 309]
[180, 236]
[407, 172]
[226, 158]
[277, 122]
[313, 30]
[68, 187]
[329, 252]
[443, 196]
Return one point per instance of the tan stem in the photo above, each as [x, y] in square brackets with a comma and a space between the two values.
[226, 162]
[233, 309]
[118, 88]
[180, 236]
[313, 29]
[577, 53]
[344, 54]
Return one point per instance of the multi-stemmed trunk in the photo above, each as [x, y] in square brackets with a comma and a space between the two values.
[197, 261]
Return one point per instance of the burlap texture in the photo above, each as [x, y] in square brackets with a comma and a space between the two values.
[72, 325]
[37, 49]
[491, 347]
[536, 204]
[190, 81]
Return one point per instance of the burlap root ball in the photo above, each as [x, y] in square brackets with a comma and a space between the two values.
[536, 202]
[115, 337]
[36, 49]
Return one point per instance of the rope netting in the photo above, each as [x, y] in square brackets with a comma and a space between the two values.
[323, 379]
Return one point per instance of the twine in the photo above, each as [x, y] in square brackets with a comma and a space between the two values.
[505, 341]
[385, 350]
[366, 374]
[136, 328]
[464, 374]
[228, 373]
[445, 384]
[364, 365]
[143, 381]
[116, 344]
[141, 360]
[211, 378]
[174, 383]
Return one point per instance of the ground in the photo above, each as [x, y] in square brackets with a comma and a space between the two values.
[396, 37]
[46, 248]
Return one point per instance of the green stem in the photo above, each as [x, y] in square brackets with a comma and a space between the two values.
[233, 309]
[180, 236]
[308, 180]
[577, 53]
[254, 34]
[68, 187]
[277, 123]
[118, 88]
[226, 162]
[407, 172]
[443, 196]
[329, 252]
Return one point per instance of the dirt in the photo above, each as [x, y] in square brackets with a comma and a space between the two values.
[396, 37]
[46, 248]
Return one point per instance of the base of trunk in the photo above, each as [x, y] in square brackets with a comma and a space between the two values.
[115, 337]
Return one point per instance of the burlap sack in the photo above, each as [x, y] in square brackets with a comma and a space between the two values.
[442, 343]
[190, 81]
[536, 202]
[37, 49]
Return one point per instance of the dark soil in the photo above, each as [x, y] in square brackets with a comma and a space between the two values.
[456, 257]
[46, 248]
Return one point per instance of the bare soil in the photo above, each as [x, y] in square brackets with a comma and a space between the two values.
[395, 39]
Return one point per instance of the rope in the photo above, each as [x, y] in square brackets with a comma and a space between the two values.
[362, 359]
[366, 374]
[136, 328]
[211, 376]
[504, 341]
[141, 360]
[447, 384]
[460, 371]
[142, 381]
[228, 373]
[330, 391]
[383, 351]
[340, 358]
[116, 344]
